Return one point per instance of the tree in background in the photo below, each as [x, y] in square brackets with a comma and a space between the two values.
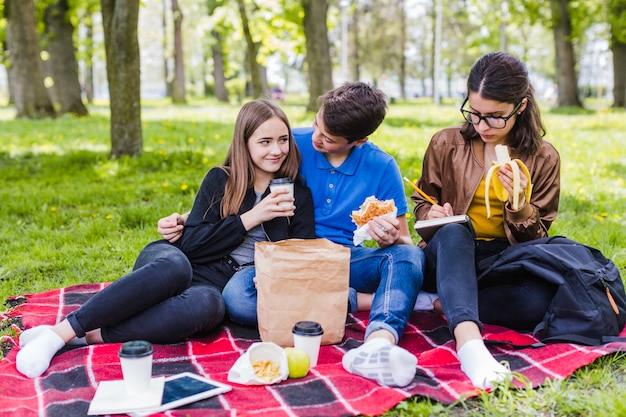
[65, 89]
[567, 80]
[178, 85]
[120, 19]
[29, 93]
[86, 49]
[252, 48]
[617, 19]
[217, 51]
[319, 66]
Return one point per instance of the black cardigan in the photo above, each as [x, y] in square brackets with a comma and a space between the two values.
[208, 237]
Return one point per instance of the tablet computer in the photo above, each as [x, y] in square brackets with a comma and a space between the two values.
[185, 388]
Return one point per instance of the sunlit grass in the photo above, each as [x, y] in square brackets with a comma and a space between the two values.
[72, 215]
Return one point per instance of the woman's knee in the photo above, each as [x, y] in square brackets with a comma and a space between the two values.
[166, 255]
[453, 232]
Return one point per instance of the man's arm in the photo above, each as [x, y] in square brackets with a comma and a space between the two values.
[171, 227]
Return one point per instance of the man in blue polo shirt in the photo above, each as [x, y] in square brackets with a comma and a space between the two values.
[343, 168]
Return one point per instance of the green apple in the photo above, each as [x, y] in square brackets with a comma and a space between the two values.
[298, 361]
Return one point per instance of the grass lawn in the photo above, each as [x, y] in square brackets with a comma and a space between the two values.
[72, 215]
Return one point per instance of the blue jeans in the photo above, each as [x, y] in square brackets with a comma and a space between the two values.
[393, 275]
[452, 258]
[155, 302]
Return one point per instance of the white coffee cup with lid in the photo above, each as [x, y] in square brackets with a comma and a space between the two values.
[282, 183]
[307, 336]
[136, 361]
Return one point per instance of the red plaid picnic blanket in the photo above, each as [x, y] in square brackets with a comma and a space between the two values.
[68, 386]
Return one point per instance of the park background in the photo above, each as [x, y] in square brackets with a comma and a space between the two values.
[84, 178]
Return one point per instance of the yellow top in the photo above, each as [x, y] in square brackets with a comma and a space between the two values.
[486, 229]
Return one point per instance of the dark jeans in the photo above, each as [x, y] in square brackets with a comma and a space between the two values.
[452, 258]
[155, 302]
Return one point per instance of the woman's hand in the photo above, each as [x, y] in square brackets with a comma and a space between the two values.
[269, 208]
[171, 227]
[438, 211]
[505, 175]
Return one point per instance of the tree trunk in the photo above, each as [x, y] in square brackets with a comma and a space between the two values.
[320, 71]
[166, 66]
[30, 94]
[120, 19]
[88, 84]
[403, 37]
[221, 93]
[178, 90]
[62, 63]
[355, 67]
[256, 84]
[565, 62]
[619, 74]
[617, 11]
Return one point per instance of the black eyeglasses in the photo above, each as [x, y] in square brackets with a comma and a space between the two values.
[495, 122]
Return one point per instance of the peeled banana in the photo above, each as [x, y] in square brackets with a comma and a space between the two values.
[492, 181]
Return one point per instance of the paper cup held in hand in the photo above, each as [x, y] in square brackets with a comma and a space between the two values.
[282, 183]
[307, 336]
[136, 361]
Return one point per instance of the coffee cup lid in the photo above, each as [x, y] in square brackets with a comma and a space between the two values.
[135, 349]
[308, 328]
[281, 181]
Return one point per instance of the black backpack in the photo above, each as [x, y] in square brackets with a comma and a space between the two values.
[589, 305]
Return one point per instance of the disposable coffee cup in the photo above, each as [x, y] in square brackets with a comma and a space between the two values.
[307, 336]
[282, 183]
[136, 361]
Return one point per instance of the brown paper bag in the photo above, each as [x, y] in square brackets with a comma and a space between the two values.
[301, 279]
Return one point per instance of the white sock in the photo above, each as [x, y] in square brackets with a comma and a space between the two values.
[382, 361]
[30, 334]
[480, 366]
[425, 301]
[35, 357]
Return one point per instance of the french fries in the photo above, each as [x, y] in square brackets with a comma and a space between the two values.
[266, 370]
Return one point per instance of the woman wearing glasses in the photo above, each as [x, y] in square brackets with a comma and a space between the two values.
[500, 108]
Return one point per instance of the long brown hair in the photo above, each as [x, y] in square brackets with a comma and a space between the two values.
[502, 77]
[238, 163]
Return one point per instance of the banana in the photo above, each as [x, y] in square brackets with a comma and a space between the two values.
[492, 181]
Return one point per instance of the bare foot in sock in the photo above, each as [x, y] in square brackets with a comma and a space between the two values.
[480, 366]
[31, 334]
[382, 361]
[34, 359]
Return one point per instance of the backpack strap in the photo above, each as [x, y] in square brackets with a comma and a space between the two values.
[583, 340]
[577, 339]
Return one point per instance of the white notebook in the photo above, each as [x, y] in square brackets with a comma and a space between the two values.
[427, 228]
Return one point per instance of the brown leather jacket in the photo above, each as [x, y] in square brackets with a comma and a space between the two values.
[452, 170]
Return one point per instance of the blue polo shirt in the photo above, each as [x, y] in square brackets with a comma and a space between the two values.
[337, 192]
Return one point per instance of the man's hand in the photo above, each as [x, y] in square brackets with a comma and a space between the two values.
[171, 227]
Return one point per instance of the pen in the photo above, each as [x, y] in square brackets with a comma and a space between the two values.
[430, 200]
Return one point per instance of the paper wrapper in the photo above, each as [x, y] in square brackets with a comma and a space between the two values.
[361, 235]
[242, 372]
